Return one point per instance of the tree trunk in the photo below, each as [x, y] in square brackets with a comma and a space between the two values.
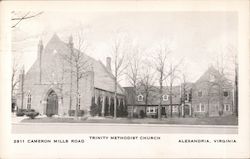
[171, 102]
[236, 89]
[115, 101]
[77, 93]
[159, 107]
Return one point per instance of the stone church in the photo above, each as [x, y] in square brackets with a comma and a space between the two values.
[51, 88]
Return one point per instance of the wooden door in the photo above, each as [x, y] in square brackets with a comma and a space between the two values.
[52, 104]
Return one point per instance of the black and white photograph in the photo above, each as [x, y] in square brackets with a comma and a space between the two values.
[127, 75]
[128, 68]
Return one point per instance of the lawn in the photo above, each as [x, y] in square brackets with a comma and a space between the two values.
[228, 120]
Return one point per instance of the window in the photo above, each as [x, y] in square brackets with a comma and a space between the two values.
[200, 93]
[200, 108]
[225, 93]
[165, 97]
[187, 97]
[175, 108]
[227, 107]
[140, 98]
[151, 110]
[29, 101]
[79, 100]
[197, 108]
[212, 78]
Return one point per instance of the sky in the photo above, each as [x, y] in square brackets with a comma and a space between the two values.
[197, 37]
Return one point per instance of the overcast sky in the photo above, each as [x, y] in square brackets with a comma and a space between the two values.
[195, 36]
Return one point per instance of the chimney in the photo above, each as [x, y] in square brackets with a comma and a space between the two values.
[108, 63]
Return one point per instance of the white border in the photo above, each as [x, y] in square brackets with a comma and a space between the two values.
[168, 145]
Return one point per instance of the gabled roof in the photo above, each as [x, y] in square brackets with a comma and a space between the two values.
[213, 73]
[56, 46]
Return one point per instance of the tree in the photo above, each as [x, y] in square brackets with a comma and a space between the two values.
[172, 74]
[18, 17]
[146, 81]
[233, 54]
[118, 51]
[133, 71]
[14, 78]
[160, 61]
[80, 64]
[222, 79]
[185, 89]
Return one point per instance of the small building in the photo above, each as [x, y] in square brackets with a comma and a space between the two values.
[50, 85]
[141, 103]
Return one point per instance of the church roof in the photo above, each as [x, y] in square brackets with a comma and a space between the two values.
[103, 79]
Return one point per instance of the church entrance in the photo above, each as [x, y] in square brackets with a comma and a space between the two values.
[52, 104]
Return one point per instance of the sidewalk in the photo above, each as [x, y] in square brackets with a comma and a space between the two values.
[17, 119]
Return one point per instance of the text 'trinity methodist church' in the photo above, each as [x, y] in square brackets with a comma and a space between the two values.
[50, 88]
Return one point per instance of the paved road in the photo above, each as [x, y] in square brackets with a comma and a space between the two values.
[119, 128]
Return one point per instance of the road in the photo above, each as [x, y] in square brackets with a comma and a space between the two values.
[44, 128]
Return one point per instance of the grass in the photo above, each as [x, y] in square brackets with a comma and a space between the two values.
[227, 120]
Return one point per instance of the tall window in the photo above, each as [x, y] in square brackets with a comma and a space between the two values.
[29, 101]
[227, 107]
[200, 93]
[202, 107]
[79, 100]
[225, 93]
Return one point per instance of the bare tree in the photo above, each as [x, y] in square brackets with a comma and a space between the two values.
[173, 76]
[160, 61]
[147, 81]
[222, 79]
[133, 71]
[79, 63]
[18, 17]
[118, 51]
[185, 89]
[233, 56]
[14, 80]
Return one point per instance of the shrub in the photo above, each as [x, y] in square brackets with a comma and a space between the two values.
[79, 113]
[50, 114]
[32, 115]
[19, 113]
[135, 115]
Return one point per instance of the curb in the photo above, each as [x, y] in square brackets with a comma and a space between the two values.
[122, 124]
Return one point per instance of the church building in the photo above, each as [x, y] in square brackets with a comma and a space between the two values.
[63, 78]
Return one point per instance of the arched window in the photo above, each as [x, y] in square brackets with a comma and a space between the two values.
[29, 100]
[140, 98]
